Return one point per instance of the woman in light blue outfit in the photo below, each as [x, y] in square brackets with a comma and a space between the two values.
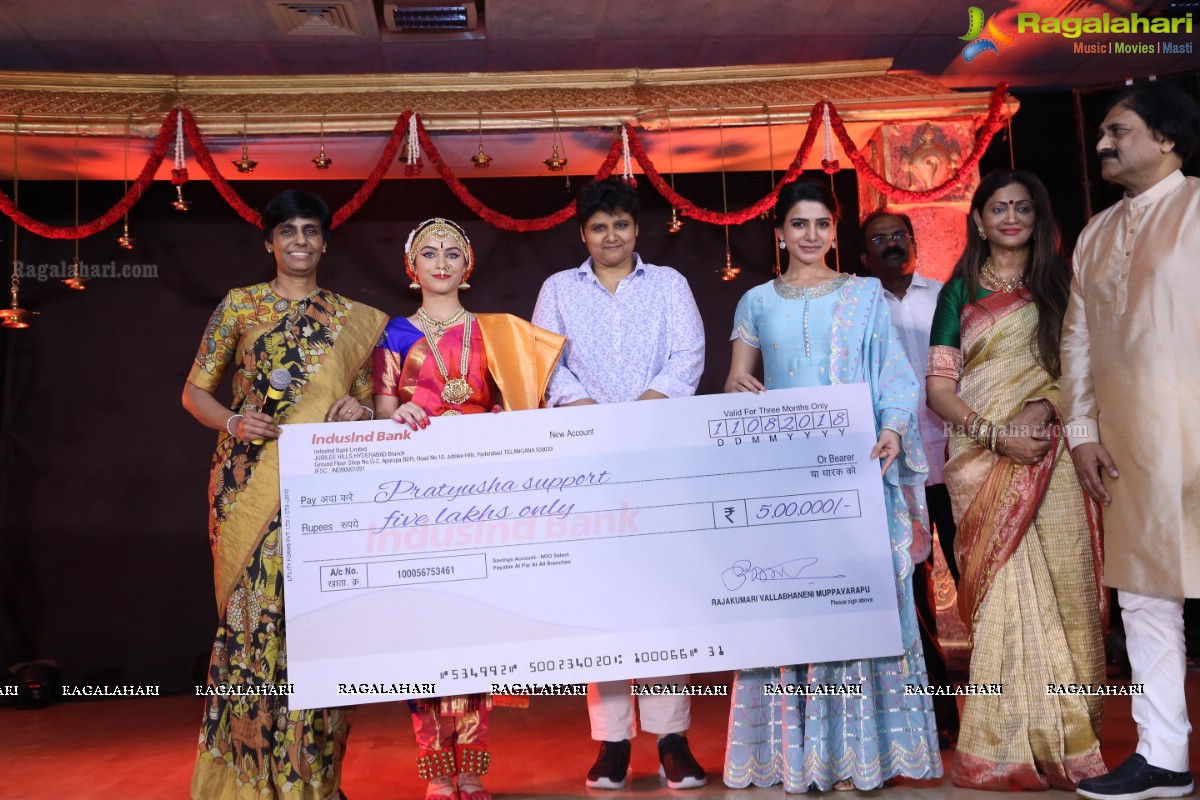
[815, 327]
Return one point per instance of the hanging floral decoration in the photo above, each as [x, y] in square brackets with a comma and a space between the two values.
[983, 137]
[503, 221]
[824, 116]
[829, 164]
[163, 142]
[386, 159]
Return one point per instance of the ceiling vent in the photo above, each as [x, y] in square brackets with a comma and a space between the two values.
[428, 18]
[315, 19]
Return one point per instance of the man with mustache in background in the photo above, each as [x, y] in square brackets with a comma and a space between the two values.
[1131, 394]
[890, 254]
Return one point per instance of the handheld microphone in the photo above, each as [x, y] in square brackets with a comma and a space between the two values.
[280, 380]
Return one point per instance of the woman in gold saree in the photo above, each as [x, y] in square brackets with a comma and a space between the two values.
[252, 746]
[1028, 545]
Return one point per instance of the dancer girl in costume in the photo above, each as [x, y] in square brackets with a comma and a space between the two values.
[252, 745]
[1028, 558]
[812, 326]
[444, 361]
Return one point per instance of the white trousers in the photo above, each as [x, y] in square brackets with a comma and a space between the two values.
[1157, 656]
[610, 709]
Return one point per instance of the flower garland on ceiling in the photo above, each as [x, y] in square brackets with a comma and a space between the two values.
[163, 142]
[503, 221]
[690, 209]
[983, 137]
[823, 116]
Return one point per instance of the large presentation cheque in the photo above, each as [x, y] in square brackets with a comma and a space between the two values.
[590, 543]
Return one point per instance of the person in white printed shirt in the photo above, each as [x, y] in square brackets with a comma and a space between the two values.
[634, 333]
[890, 254]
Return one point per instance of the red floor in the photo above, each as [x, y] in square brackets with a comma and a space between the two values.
[143, 749]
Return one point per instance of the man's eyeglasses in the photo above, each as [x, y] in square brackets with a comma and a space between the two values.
[899, 237]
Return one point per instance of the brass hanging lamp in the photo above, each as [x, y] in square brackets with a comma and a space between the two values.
[322, 161]
[76, 282]
[14, 316]
[481, 160]
[728, 272]
[676, 224]
[125, 240]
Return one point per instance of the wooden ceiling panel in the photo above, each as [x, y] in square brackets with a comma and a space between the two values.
[639, 19]
[824, 48]
[858, 18]
[24, 56]
[219, 58]
[77, 21]
[758, 50]
[763, 18]
[533, 20]
[645, 54]
[451, 56]
[301, 57]
[190, 21]
[157, 36]
[540, 54]
[128, 57]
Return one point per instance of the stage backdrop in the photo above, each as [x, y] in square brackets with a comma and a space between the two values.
[104, 558]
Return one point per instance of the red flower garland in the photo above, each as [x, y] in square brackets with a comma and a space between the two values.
[992, 123]
[690, 209]
[165, 139]
[205, 160]
[983, 138]
[386, 159]
[503, 221]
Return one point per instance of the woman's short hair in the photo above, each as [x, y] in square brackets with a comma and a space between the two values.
[611, 195]
[293, 203]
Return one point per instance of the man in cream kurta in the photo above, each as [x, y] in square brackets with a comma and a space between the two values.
[1131, 395]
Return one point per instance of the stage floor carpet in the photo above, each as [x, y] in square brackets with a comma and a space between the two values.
[143, 749]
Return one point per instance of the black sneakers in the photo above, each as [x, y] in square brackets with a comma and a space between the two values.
[1136, 780]
[611, 767]
[678, 766]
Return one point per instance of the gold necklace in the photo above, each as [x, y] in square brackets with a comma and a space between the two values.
[438, 327]
[457, 390]
[1001, 284]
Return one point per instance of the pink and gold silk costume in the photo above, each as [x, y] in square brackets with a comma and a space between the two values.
[509, 364]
